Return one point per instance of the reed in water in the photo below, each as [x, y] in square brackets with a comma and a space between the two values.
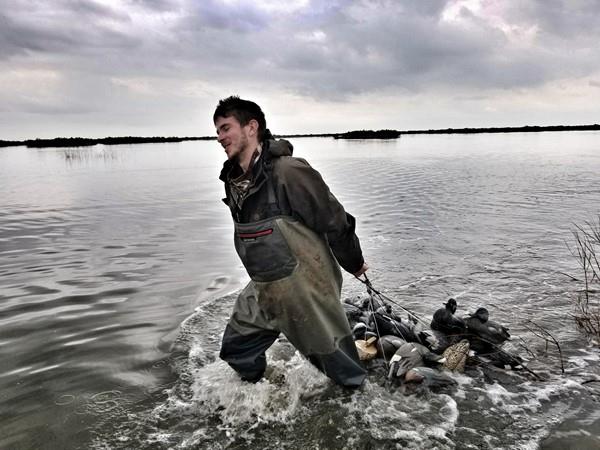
[587, 251]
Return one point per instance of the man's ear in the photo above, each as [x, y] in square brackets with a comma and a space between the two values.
[253, 124]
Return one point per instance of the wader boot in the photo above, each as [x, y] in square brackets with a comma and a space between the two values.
[295, 289]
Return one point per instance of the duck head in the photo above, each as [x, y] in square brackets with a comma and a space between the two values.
[482, 314]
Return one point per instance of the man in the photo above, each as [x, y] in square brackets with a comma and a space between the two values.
[290, 233]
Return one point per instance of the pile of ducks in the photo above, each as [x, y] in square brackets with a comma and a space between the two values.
[413, 352]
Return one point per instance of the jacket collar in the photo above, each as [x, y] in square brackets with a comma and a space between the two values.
[270, 149]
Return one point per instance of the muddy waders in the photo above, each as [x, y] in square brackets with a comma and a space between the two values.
[295, 290]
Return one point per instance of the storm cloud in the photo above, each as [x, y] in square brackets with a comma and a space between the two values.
[139, 60]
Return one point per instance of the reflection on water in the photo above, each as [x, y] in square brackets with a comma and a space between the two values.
[80, 155]
[106, 252]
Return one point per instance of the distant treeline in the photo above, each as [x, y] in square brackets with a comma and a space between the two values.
[83, 142]
[393, 134]
[526, 129]
[357, 134]
[369, 134]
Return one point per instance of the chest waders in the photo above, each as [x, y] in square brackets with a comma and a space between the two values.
[294, 289]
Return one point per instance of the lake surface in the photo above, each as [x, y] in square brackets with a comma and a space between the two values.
[118, 273]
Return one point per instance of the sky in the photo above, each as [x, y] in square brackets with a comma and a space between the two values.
[96, 68]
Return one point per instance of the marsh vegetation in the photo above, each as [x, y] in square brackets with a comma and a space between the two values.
[587, 251]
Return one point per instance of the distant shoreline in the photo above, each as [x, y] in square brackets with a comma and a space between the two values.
[357, 134]
[524, 129]
[86, 142]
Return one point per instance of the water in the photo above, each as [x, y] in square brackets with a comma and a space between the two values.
[117, 275]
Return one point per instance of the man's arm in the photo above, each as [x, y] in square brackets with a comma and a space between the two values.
[311, 200]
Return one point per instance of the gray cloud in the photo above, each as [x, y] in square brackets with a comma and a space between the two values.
[91, 9]
[562, 19]
[228, 18]
[374, 45]
[61, 28]
[326, 50]
[156, 5]
[366, 45]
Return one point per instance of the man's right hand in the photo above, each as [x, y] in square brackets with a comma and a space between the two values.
[362, 270]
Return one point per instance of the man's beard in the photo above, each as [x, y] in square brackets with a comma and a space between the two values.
[243, 147]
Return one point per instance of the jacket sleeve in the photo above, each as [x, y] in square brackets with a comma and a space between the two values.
[313, 203]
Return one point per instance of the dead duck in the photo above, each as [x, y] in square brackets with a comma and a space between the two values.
[455, 356]
[359, 330]
[429, 377]
[445, 321]
[385, 324]
[409, 356]
[436, 341]
[485, 335]
[388, 345]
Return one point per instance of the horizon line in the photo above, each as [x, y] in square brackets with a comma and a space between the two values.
[116, 140]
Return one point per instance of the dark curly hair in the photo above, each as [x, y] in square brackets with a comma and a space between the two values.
[244, 111]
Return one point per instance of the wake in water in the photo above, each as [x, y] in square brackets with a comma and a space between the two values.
[295, 406]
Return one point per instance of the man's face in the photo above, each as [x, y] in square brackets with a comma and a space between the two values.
[232, 136]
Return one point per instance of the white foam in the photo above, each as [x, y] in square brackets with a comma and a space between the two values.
[288, 393]
[498, 394]
[464, 384]
[391, 415]
[572, 433]
[217, 402]
[219, 390]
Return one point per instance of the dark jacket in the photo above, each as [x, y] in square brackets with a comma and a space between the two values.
[300, 192]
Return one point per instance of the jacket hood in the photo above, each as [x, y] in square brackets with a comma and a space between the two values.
[280, 147]
[275, 148]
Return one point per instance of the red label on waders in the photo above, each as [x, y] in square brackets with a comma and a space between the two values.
[253, 236]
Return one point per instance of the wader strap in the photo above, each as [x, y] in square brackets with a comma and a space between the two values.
[273, 207]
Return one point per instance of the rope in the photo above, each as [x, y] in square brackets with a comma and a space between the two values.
[372, 309]
[385, 298]
[373, 293]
